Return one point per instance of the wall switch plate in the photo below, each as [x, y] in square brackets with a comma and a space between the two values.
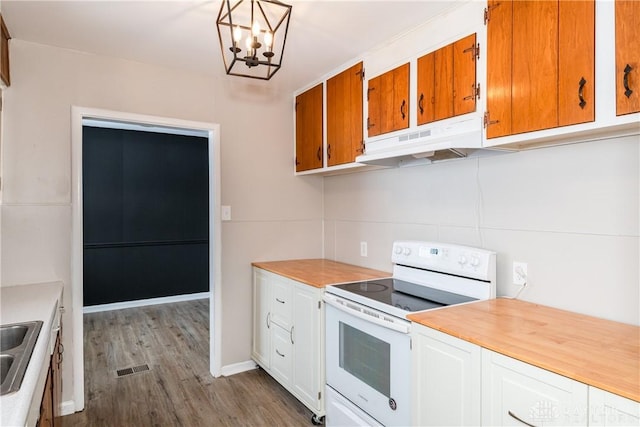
[363, 248]
[226, 213]
[519, 273]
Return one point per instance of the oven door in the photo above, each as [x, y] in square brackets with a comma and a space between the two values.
[369, 363]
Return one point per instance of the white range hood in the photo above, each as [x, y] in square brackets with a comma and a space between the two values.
[447, 141]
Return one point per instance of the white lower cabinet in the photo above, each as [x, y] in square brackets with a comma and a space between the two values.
[288, 335]
[608, 409]
[446, 386]
[516, 393]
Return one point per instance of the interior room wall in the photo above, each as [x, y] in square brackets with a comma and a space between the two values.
[274, 214]
[570, 212]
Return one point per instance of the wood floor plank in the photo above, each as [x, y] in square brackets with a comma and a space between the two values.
[178, 390]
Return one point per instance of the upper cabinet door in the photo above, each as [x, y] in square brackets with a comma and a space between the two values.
[401, 97]
[627, 56]
[444, 83]
[464, 75]
[309, 129]
[388, 101]
[576, 54]
[426, 88]
[499, 59]
[535, 65]
[344, 116]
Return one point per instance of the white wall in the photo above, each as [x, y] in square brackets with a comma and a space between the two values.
[570, 212]
[275, 215]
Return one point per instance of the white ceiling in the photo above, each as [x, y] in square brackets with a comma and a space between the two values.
[323, 34]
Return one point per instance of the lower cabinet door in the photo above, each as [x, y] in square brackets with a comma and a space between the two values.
[446, 380]
[515, 393]
[281, 354]
[608, 409]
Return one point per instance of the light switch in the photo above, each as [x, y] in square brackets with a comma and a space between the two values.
[226, 213]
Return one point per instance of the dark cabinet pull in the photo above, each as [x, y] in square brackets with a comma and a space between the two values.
[291, 335]
[402, 108]
[625, 81]
[279, 354]
[581, 93]
[421, 103]
[473, 93]
[319, 153]
[329, 151]
[512, 415]
[280, 301]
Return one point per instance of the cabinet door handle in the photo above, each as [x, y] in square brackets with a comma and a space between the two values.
[625, 81]
[514, 416]
[402, 108]
[421, 103]
[291, 334]
[269, 320]
[581, 84]
[329, 151]
[280, 301]
[473, 93]
[319, 154]
[279, 354]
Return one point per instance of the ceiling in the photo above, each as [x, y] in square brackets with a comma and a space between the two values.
[323, 34]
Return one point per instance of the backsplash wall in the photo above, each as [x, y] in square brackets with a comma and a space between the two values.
[571, 212]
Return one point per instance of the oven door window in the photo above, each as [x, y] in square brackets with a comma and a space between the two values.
[366, 358]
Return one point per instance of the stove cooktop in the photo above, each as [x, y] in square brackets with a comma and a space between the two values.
[402, 295]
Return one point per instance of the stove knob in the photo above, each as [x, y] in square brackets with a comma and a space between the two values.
[462, 260]
[407, 251]
[398, 250]
[475, 261]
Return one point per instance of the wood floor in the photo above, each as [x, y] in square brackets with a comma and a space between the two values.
[178, 390]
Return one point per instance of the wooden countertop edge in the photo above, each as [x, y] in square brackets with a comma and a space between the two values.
[631, 391]
[326, 272]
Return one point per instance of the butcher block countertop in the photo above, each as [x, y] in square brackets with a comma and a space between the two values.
[320, 272]
[597, 352]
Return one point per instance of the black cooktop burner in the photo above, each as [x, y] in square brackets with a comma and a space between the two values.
[404, 295]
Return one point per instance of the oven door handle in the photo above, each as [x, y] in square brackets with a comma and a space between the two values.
[384, 323]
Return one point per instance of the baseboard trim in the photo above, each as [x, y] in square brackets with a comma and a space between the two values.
[144, 302]
[67, 407]
[236, 368]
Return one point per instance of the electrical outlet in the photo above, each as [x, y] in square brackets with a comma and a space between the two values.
[363, 248]
[226, 213]
[519, 273]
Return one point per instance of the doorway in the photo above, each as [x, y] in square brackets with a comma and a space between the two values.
[80, 117]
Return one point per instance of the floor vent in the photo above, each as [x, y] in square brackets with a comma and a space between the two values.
[133, 370]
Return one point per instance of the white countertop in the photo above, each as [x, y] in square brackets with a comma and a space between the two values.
[23, 304]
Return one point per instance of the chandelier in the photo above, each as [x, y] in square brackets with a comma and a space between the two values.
[252, 36]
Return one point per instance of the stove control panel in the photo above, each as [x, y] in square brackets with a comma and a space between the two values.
[454, 259]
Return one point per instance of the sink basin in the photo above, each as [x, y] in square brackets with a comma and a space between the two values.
[16, 346]
[6, 360]
[12, 336]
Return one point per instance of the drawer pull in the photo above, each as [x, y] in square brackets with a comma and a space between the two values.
[514, 416]
[269, 320]
[291, 335]
[280, 301]
[279, 354]
[625, 81]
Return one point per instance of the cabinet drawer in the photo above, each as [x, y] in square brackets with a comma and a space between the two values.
[514, 393]
[281, 354]
[281, 306]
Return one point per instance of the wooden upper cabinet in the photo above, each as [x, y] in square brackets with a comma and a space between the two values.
[344, 116]
[540, 65]
[426, 88]
[447, 81]
[388, 101]
[576, 68]
[309, 129]
[535, 65]
[627, 56]
[4, 53]
[464, 75]
[499, 59]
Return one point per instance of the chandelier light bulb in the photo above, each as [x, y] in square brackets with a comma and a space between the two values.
[255, 29]
[237, 34]
[249, 42]
[268, 40]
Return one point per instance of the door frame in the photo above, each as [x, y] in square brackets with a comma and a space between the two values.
[78, 115]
